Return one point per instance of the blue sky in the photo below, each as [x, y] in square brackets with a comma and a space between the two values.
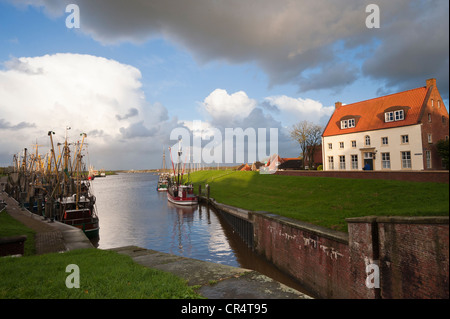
[169, 63]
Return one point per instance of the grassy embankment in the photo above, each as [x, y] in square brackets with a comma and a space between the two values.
[103, 274]
[324, 201]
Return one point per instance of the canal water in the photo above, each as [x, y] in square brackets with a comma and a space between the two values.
[132, 212]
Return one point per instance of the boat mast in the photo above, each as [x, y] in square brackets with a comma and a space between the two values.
[78, 169]
[179, 160]
[66, 164]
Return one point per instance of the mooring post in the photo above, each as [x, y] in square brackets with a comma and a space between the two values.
[200, 190]
[39, 205]
[207, 192]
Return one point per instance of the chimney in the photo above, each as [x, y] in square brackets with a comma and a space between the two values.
[337, 105]
[431, 82]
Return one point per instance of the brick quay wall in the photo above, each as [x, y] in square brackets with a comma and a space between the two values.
[379, 257]
[411, 176]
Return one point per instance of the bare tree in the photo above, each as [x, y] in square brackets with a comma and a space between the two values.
[308, 135]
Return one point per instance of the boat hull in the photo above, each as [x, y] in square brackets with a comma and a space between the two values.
[82, 219]
[186, 201]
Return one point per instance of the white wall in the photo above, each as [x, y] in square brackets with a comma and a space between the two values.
[394, 147]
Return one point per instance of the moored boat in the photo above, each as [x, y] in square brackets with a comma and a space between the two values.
[177, 192]
[163, 183]
[182, 195]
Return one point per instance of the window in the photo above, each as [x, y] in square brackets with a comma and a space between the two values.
[330, 162]
[353, 143]
[429, 117]
[432, 102]
[439, 104]
[341, 144]
[386, 160]
[430, 138]
[405, 139]
[330, 146]
[398, 115]
[384, 141]
[389, 117]
[347, 123]
[342, 162]
[367, 140]
[428, 156]
[368, 155]
[354, 161]
[406, 159]
[444, 120]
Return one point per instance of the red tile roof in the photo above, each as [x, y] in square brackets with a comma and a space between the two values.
[369, 115]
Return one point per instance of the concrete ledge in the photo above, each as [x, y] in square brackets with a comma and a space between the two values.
[401, 219]
[217, 281]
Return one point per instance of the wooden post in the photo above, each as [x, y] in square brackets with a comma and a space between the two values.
[207, 192]
[39, 205]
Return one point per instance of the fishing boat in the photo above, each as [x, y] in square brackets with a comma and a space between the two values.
[80, 213]
[57, 186]
[163, 180]
[77, 209]
[163, 183]
[180, 193]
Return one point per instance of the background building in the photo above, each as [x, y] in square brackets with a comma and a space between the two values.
[393, 132]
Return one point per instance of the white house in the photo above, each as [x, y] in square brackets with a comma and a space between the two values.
[393, 132]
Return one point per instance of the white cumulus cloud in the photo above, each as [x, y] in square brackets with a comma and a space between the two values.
[297, 109]
[224, 107]
[94, 95]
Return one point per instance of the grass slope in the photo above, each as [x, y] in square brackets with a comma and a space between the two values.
[324, 201]
[11, 227]
[103, 274]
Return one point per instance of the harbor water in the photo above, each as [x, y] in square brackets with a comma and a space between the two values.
[132, 212]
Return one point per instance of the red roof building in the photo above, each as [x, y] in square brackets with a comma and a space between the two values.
[392, 132]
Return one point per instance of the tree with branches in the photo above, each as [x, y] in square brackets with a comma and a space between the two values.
[308, 135]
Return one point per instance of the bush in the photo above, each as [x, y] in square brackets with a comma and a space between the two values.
[320, 167]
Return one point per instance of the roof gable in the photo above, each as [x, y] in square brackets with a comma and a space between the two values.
[370, 115]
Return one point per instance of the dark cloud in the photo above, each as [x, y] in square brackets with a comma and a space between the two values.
[137, 130]
[131, 112]
[5, 125]
[293, 41]
[413, 50]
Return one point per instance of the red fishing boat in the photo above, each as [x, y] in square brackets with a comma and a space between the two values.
[177, 192]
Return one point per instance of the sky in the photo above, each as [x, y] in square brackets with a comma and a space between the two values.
[136, 71]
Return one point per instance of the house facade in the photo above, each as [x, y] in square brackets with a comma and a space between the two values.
[393, 132]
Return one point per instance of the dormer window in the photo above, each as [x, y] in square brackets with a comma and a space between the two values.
[347, 124]
[392, 116]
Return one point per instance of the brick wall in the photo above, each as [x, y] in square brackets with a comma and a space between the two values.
[412, 255]
[317, 257]
[434, 124]
[419, 176]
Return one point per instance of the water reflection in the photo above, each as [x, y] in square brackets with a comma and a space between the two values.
[132, 212]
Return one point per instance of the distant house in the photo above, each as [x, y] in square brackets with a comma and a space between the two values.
[316, 157]
[291, 163]
[276, 162]
[392, 132]
[256, 165]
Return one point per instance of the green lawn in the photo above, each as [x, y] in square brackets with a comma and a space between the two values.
[103, 274]
[11, 227]
[324, 201]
